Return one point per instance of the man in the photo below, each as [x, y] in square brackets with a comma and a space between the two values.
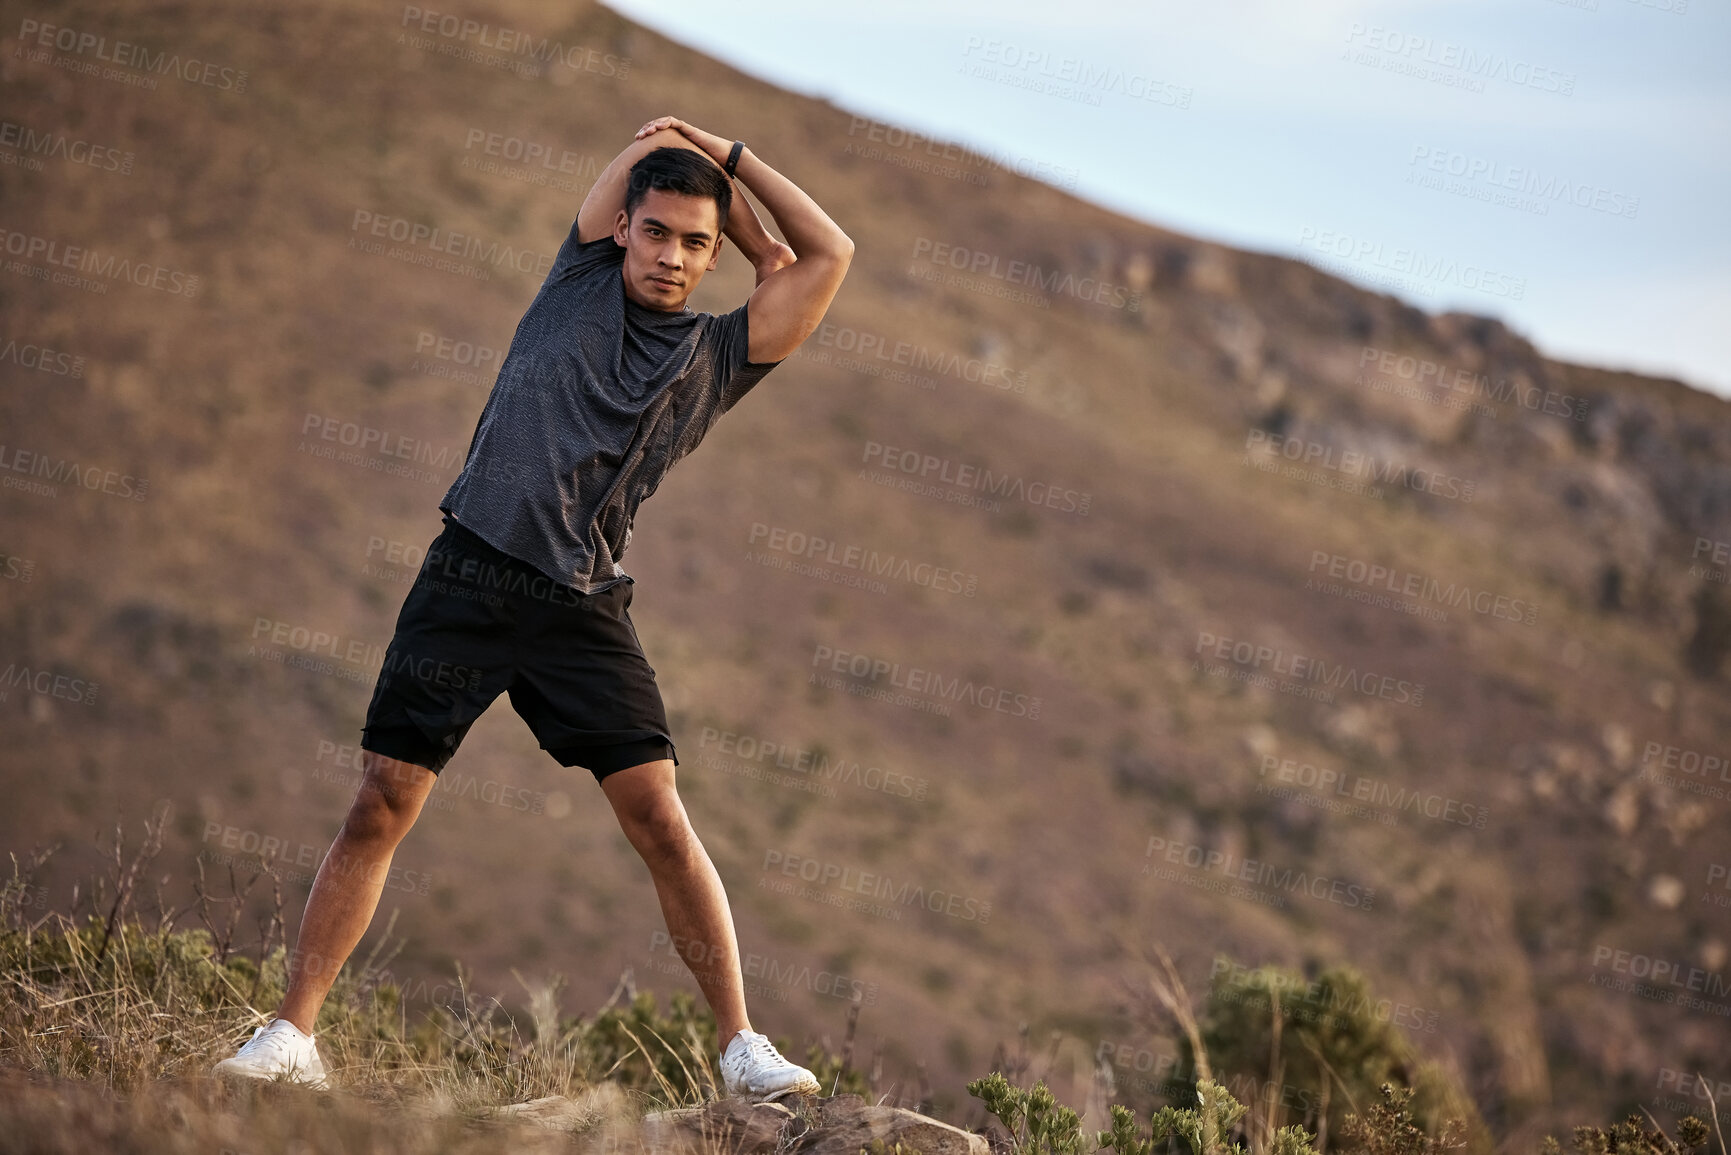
[609, 380]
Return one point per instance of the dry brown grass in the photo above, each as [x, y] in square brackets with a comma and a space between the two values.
[110, 1021]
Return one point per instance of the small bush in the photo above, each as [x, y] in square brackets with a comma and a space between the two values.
[1038, 1124]
[1333, 1050]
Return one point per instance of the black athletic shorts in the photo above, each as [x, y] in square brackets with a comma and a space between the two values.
[478, 622]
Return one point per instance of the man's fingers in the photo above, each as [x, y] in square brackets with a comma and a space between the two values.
[660, 123]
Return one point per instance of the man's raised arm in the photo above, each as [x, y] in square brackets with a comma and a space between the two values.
[787, 304]
[606, 199]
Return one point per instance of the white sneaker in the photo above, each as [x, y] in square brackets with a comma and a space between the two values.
[751, 1068]
[278, 1050]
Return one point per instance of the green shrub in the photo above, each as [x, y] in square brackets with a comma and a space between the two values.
[1038, 1124]
[1334, 1049]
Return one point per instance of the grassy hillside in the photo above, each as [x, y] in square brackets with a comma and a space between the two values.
[1497, 804]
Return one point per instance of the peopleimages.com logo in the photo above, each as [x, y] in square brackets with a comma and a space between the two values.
[1425, 270]
[43, 474]
[1059, 282]
[1447, 62]
[524, 53]
[1470, 383]
[147, 64]
[1263, 882]
[1260, 665]
[57, 255]
[914, 680]
[1660, 979]
[876, 885]
[1346, 788]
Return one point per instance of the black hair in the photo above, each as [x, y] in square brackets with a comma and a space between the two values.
[680, 170]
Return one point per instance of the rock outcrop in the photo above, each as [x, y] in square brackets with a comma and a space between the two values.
[840, 1125]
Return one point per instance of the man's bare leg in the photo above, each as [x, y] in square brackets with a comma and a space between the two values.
[692, 899]
[350, 880]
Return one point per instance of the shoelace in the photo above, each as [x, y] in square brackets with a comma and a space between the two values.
[266, 1039]
[761, 1047]
[755, 1047]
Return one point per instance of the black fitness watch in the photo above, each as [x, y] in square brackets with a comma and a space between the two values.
[733, 157]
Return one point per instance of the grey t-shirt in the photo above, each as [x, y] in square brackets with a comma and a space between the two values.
[597, 398]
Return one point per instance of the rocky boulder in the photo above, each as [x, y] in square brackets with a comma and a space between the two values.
[840, 1125]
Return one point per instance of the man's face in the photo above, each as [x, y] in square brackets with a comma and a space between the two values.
[670, 242]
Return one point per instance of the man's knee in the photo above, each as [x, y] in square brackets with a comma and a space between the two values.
[388, 800]
[650, 813]
[658, 828]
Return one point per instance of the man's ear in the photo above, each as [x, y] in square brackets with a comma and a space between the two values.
[716, 255]
[621, 227]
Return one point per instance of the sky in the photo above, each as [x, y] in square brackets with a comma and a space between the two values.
[1563, 165]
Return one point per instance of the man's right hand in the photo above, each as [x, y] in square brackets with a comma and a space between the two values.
[606, 197]
[708, 142]
[659, 123]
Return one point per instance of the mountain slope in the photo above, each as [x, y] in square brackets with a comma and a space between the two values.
[1151, 738]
